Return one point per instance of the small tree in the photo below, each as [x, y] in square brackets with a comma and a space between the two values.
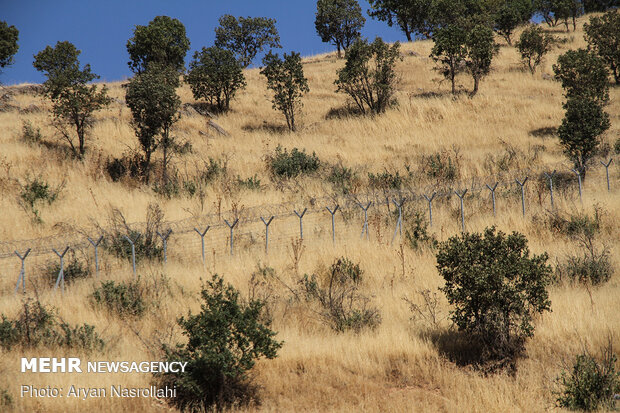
[223, 342]
[154, 104]
[480, 46]
[496, 289]
[162, 42]
[584, 122]
[603, 36]
[412, 16]
[215, 76]
[369, 75]
[533, 45]
[246, 36]
[583, 74]
[73, 100]
[8, 44]
[511, 14]
[285, 77]
[450, 51]
[339, 22]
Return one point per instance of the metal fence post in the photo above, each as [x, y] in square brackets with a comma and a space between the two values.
[232, 229]
[606, 165]
[365, 226]
[95, 244]
[22, 272]
[267, 232]
[202, 241]
[550, 178]
[164, 240]
[399, 223]
[492, 189]
[430, 207]
[462, 211]
[522, 185]
[579, 181]
[61, 274]
[333, 221]
[133, 252]
[301, 224]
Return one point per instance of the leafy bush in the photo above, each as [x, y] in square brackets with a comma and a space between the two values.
[496, 289]
[386, 181]
[603, 35]
[440, 166]
[146, 242]
[415, 226]
[533, 45]
[124, 298]
[369, 75]
[337, 292]
[212, 170]
[30, 135]
[252, 183]
[129, 164]
[35, 191]
[583, 75]
[590, 385]
[343, 178]
[223, 342]
[617, 146]
[289, 165]
[37, 325]
[592, 267]
[74, 269]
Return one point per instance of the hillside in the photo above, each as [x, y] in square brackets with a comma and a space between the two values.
[432, 140]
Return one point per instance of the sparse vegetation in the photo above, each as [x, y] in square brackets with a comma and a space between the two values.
[123, 298]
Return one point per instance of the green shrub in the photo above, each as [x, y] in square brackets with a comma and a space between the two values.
[440, 166]
[617, 147]
[590, 385]
[496, 290]
[336, 291]
[31, 135]
[146, 241]
[289, 165]
[5, 399]
[74, 269]
[343, 178]
[37, 325]
[124, 298]
[415, 226]
[35, 191]
[223, 342]
[386, 181]
[212, 170]
[252, 183]
[128, 165]
[591, 267]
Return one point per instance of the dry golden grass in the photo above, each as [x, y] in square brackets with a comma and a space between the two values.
[396, 367]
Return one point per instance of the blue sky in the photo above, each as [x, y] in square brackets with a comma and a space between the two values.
[100, 29]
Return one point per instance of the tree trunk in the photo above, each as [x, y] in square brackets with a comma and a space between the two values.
[452, 79]
[339, 54]
[476, 83]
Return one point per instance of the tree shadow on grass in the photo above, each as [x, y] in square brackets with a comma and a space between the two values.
[344, 112]
[266, 127]
[546, 132]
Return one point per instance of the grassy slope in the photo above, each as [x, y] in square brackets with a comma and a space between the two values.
[395, 368]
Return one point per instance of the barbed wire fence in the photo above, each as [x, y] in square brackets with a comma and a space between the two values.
[211, 236]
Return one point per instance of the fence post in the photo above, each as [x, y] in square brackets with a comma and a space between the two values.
[606, 165]
[267, 232]
[365, 226]
[96, 246]
[462, 211]
[550, 178]
[522, 185]
[430, 207]
[301, 224]
[399, 223]
[22, 272]
[61, 273]
[164, 240]
[202, 241]
[133, 253]
[579, 181]
[333, 221]
[232, 229]
[492, 189]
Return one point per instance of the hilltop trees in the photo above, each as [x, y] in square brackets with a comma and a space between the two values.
[449, 51]
[246, 36]
[339, 22]
[603, 36]
[215, 75]
[162, 42]
[154, 104]
[480, 48]
[285, 77]
[73, 100]
[8, 44]
[412, 16]
[584, 79]
[509, 15]
[533, 45]
[369, 75]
